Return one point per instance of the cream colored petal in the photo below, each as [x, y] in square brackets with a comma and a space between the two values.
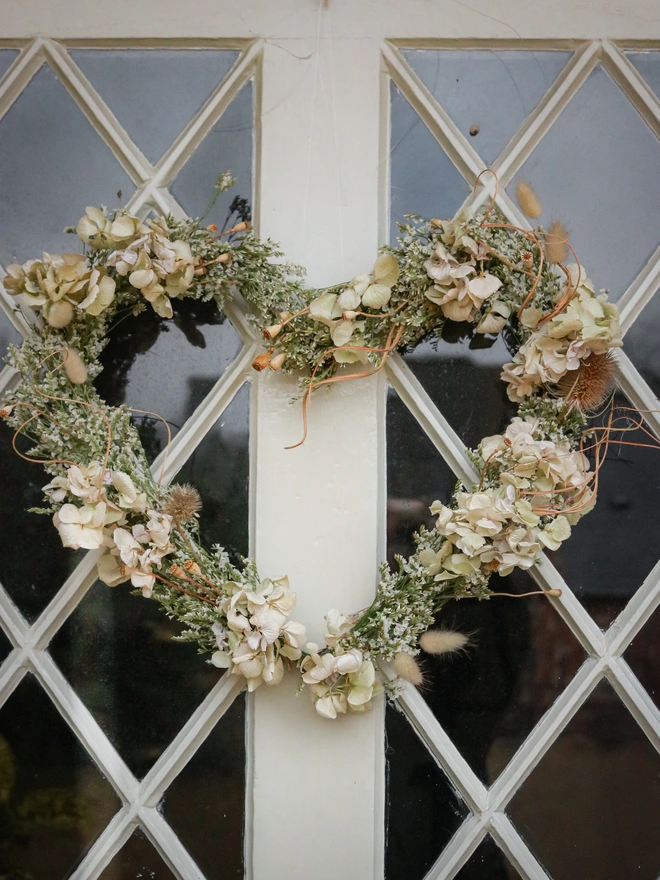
[376, 296]
[386, 270]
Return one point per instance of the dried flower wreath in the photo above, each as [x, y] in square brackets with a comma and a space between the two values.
[535, 479]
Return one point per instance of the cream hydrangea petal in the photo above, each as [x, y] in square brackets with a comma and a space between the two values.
[386, 270]
[348, 299]
[376, 296]
[342, 332]
[325, 309]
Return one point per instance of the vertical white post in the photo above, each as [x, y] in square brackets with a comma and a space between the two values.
[317, 800]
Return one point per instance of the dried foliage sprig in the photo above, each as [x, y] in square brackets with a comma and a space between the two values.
[534, 481]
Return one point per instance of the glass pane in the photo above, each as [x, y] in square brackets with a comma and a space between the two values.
[117, 651]
[227, 147]
[488, 863]
[461, 374]
[417, 475]
[137, 859]
[174, 84]
[600, 164]
[47, 181]
[648, 65]
[7, 58]
[423, 810]
[643, 656]
[5, 646]
[167, 367]
[55, 802]
[615, 546]
[641, 344]
[492, 91]
[33, 564]
[591, 808]
[423, 179]
[8, 334]
[220, 469]
[206, 802]
[521, 657]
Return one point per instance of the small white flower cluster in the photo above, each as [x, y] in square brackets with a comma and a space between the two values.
[588, 325]
[542, 486]
[340, 680]
[100, 520]
[258, 632]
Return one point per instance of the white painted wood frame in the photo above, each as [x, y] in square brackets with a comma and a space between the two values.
[315, 799]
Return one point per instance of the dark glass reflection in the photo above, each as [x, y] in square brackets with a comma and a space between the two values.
[137, 859]
[423, 811]
[521, 657]
[461, 374]
[206, 802]
[220, 469]
[53, 800]
[5, 646]
[591, 808]
[615, 546]
[166, 367]
[417, 475]
[488, 863]
[8, 334]
[641, 344]
[117, 651]
[423, 179]
[228, 146]
[33, 564]
[643, 656]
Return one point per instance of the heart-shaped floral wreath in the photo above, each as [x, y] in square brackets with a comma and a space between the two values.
[535, 479]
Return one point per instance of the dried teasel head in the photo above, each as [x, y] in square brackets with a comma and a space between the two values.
[590, 385]
[529, 202]
[440, 641]
[556, 243]
[182, 503]
[408, 668]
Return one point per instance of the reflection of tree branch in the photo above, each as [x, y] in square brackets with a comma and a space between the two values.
[59, 809]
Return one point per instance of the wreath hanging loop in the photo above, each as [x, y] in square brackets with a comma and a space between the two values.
[534, 481]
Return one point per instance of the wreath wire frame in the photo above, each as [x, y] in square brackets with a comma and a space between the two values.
[535, 479]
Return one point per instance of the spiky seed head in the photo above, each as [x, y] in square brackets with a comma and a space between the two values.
[529, 202]
[407, 667]
[556, 243]
[182, 503]
[440, 641]
[589, 386]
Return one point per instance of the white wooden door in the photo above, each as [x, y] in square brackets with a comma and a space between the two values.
[328, 175]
